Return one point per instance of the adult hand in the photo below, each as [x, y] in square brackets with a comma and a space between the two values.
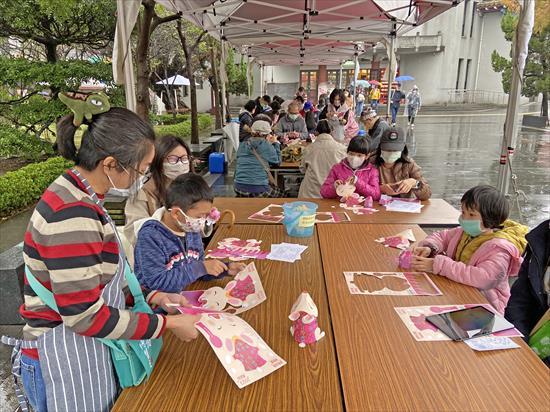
[422, 264]
[343, 121]
[271, 138]
[406, 185]
[169, 301]
[422, 251]
[235, 267]
[183, 326]
[214, 267]
[338, 183]
[386, 189]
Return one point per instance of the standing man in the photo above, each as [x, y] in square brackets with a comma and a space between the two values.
[246, 118]
[413, 105]
[397, 96]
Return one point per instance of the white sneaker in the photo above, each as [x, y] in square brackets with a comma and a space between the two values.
[412, 126]
[408, 123]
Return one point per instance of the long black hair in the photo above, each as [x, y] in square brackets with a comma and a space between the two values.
[163, 146]
[119, 133]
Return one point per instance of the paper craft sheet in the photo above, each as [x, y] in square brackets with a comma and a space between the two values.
[236, 249]
[271, 213]
[242, 352]
[404, 206]
[390, 283]
[414, 318]
[487, 343]
[331, 217]
[242, 293]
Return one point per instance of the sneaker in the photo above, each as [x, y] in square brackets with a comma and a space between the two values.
[408, 123]
[393, 125]
[412, 126]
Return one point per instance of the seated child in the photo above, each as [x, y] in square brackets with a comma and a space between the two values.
[354, 169]
[169, 253]
[483, 252]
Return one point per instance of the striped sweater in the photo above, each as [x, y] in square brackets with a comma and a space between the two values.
[71, 248]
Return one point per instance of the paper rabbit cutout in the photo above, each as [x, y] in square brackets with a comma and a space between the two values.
[304, 327]
[235, 293]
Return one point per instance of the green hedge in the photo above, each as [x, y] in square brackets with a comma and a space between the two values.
[16, 143]
[23, 187]
[183, 129]
[166, 119]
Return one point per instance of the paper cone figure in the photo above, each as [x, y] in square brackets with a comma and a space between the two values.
[304, 315]
[345, 190]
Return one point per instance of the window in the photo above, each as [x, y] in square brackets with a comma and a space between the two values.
[458, 73]
[474, 7]
[308, 80]
[333, 76]
[464, 17]
[468, 63]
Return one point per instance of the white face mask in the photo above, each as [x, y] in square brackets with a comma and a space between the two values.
[293, 116]
[390, 157]
[192, 224]
[172, 171]
[130, 191]
[355, 161]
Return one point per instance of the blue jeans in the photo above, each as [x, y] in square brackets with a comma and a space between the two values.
[359, 108]
[394, 109]
[33, 383]
[374, 104]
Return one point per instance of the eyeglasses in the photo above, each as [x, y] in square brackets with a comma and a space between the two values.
[146, 175]
[177, 159]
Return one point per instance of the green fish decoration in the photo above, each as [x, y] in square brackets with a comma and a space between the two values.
[94, 103]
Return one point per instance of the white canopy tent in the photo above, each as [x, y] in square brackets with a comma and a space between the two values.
[177, 80]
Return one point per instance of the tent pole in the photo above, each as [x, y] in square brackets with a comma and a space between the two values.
[390, 74]
[340, 77]
[520, 49]
[355, 76]
[128, 65]
[225, 109]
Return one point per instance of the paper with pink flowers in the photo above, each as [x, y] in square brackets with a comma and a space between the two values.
[271, 213]
[236, 249]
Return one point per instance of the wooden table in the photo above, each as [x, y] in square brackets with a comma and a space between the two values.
[188, 376]
[285, 169]
[436, 212]
[383, 368]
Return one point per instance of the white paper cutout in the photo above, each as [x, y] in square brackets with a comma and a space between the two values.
[303, 315]
[242, 293]
[242, 352]
[272, 213]
[486, 343]
[402, 240]
[402, 283]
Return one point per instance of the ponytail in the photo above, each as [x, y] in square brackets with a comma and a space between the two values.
[65, 138]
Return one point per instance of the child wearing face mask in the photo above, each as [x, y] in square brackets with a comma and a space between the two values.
[354, 169]
[483, 252]
[169, 252]
[172, 158]
[400, 176]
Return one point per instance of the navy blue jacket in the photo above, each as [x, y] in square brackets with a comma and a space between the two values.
[528, 300]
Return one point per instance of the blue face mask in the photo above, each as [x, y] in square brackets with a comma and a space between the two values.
[470, 227]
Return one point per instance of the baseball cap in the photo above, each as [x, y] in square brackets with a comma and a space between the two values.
[261, 127]
[393, 140]
[308, 106]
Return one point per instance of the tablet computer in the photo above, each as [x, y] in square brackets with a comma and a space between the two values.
[469, 323]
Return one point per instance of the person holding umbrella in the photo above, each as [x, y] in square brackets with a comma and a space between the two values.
[374, 97]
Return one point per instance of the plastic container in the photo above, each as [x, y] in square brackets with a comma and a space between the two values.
[216, 162]
[299, 220]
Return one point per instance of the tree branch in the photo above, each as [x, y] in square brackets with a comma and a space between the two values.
[157, 21]
[198, 41]
[20, 100]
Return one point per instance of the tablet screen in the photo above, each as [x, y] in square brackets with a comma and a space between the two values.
[468, 323]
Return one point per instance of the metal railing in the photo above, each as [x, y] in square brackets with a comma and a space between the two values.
[477, 97]
[420, 41]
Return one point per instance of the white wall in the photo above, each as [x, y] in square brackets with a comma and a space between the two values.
[204, 102]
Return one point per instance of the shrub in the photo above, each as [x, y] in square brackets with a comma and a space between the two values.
[16, 143]
[183, 129]
[166, 119]
[21, 188]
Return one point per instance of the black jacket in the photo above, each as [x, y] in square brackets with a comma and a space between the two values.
[528, 300]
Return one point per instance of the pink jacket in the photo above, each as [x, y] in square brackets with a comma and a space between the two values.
[488, 269]
[366, 185]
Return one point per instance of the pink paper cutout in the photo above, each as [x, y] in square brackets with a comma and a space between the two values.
[422, 324]
[237, 249]
[243, 289]
[248, 355]
[405, 259]
[305, 328]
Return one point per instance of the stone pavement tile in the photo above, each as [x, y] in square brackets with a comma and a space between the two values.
[8, 402]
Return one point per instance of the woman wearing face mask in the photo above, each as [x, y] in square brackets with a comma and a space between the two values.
[399, 174]
[169, 252]
[337, 113]
[354, 169]
[172, 158]
[483, 252]
[73, 251]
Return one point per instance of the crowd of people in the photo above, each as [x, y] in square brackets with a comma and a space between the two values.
[73, 249]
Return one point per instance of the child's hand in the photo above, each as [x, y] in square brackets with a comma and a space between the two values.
[235, 267]
[183, 326]
[214, 267]
[386, 189]
[422, 264]
[351, 180]
[406, 185]
[167, 301]
[338, 183]
[422, 251]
